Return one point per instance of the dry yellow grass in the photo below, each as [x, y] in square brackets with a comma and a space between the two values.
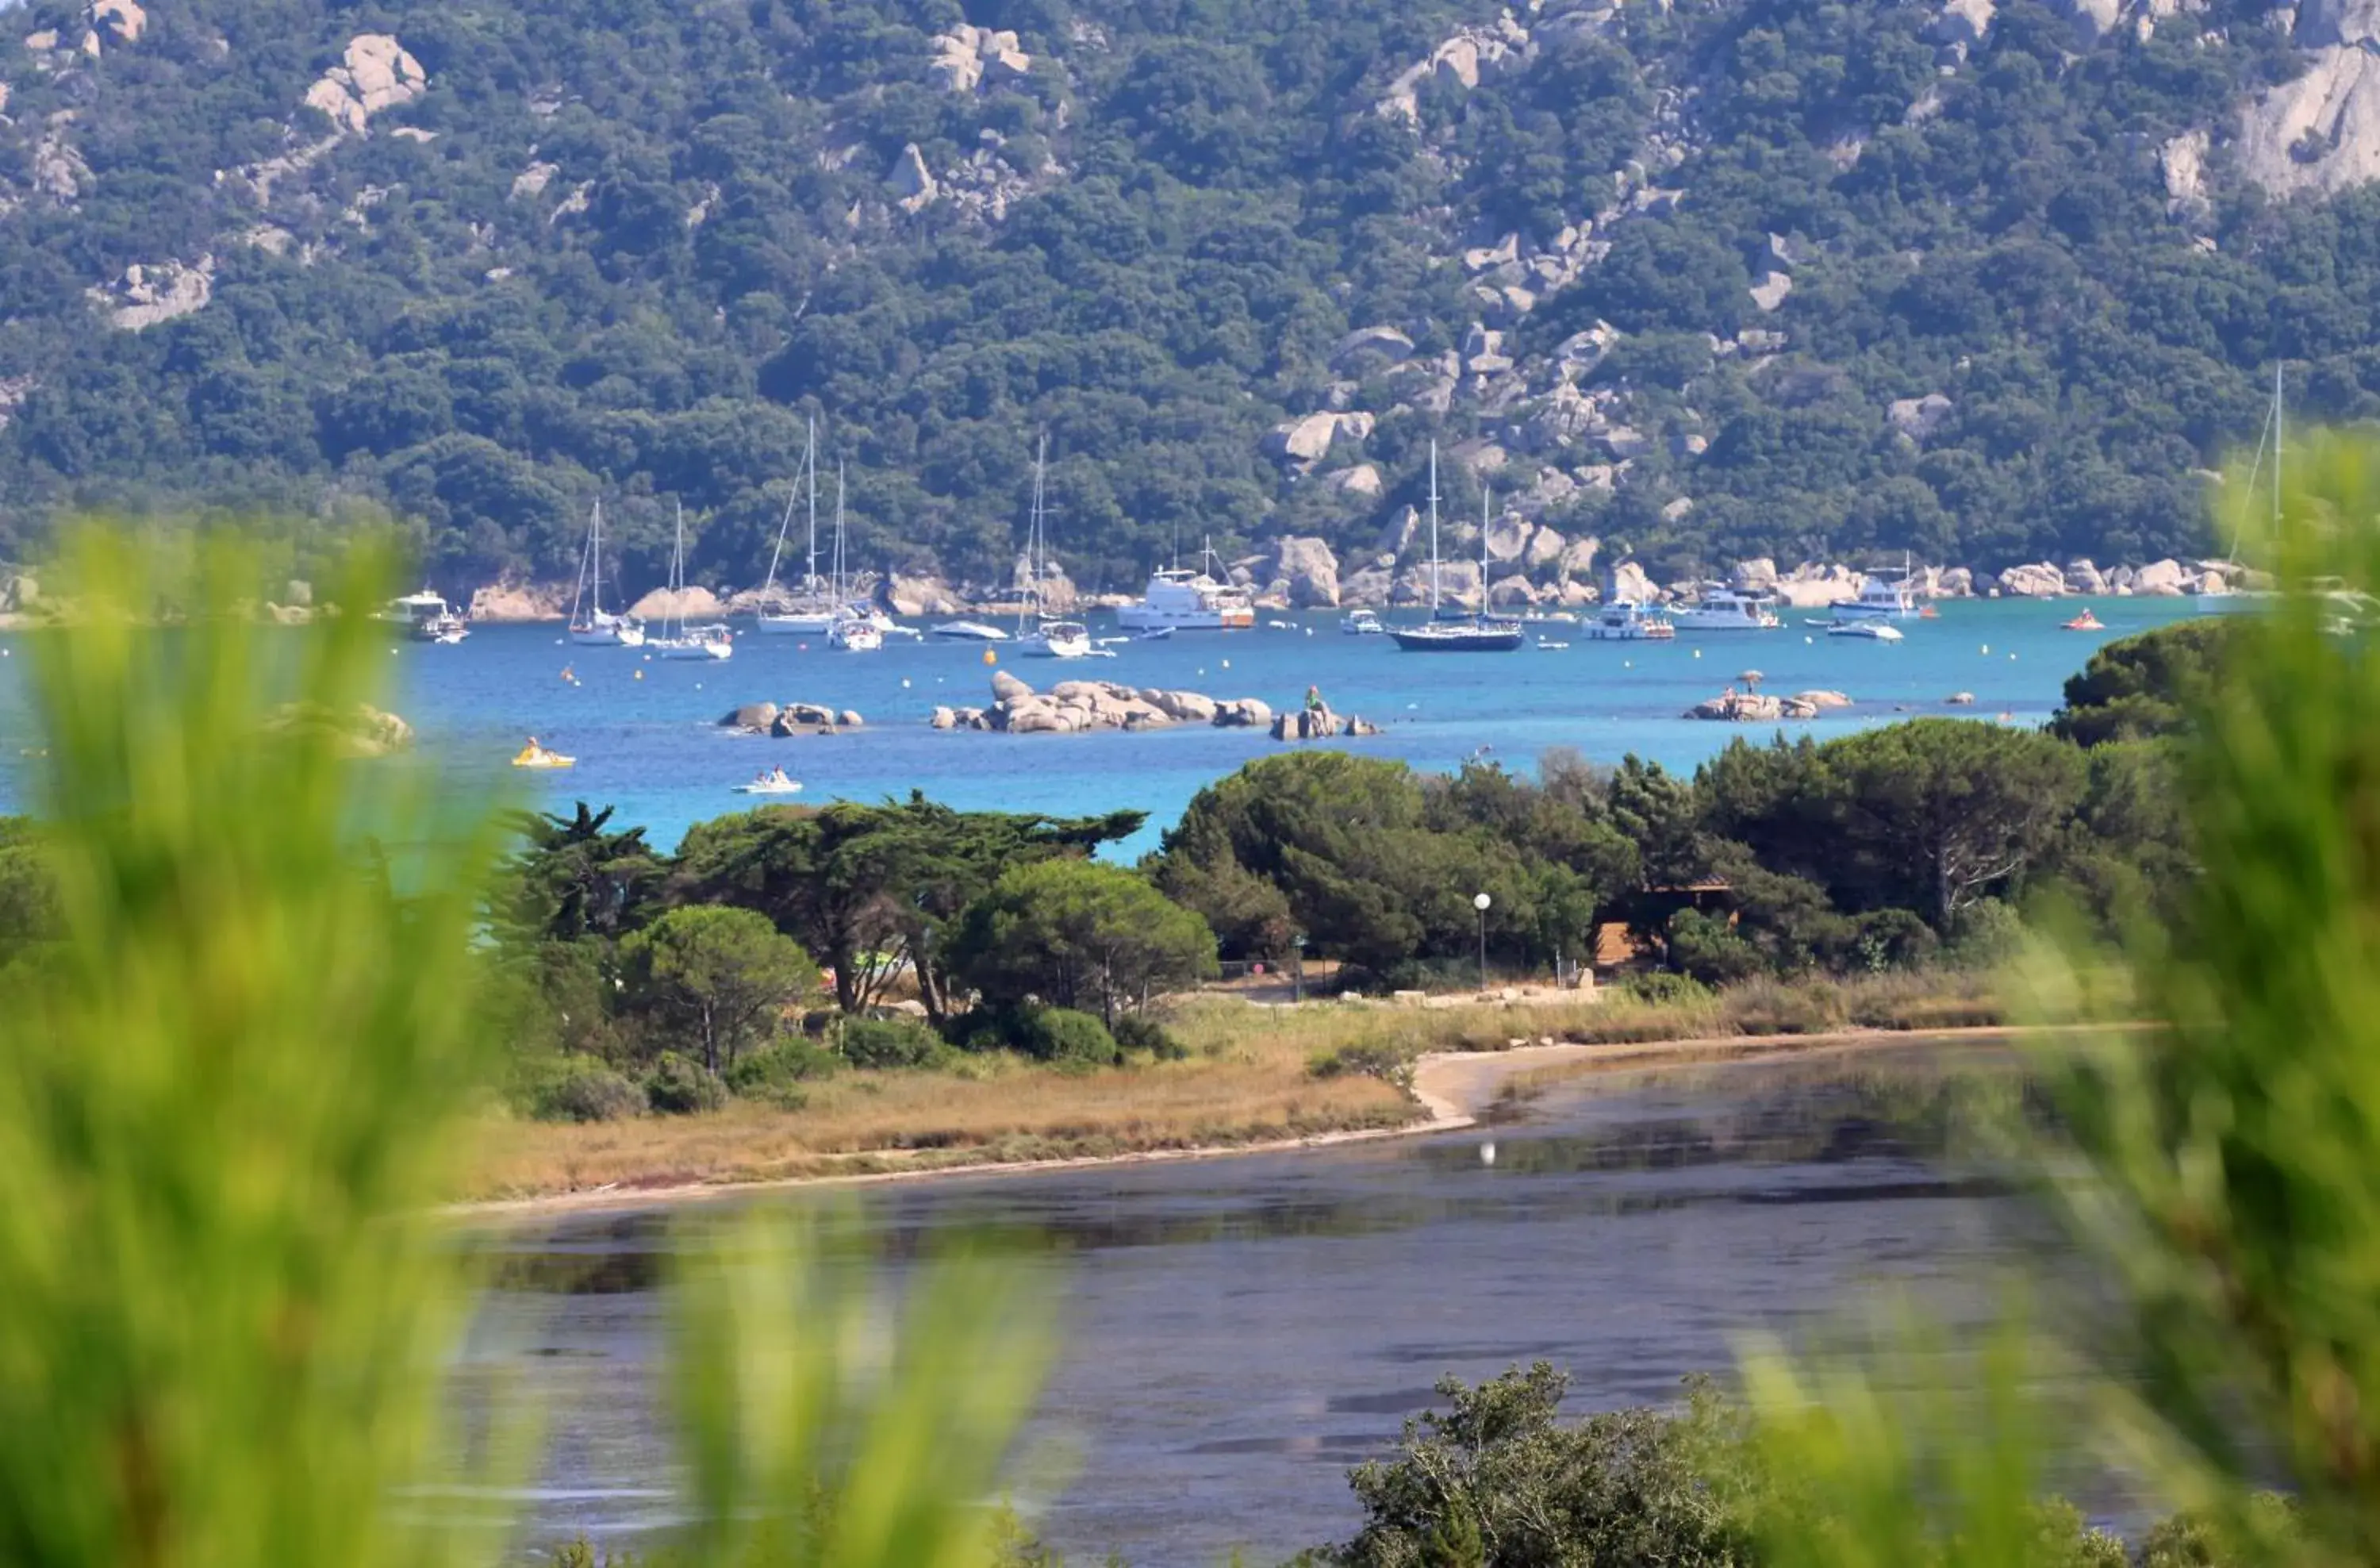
[1249, 1080]
[866, 1123]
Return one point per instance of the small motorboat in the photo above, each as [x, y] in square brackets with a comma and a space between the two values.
[1158, 634]
[1361, 622]
[2085, 622]
[536, 755]
[1927, 613]
[771, 783]
[1548, 642]
[1280, 625]
[969, 631]
[1873, 630]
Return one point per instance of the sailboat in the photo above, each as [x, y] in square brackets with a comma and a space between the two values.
[596, 628]
[810, 614]
[854, 629]
[1456, 632]
[1040, 635]
[2215, 595]
[678, 640]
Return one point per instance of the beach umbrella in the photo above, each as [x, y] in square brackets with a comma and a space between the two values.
[1752, 678]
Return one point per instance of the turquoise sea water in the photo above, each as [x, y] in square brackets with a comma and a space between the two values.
[646, 736]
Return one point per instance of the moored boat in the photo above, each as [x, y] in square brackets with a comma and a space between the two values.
[679, 640]
[1875, 628]
[969, 631]
[1460, 632]
[812, 611]
[1716, 607]
[590, 625]
[1360, 623]
[1188, 599]
[1627, 621]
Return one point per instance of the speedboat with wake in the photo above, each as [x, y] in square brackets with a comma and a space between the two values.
[774, 782]
[1872, 628]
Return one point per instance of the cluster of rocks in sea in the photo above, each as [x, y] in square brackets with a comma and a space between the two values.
[790, 719]
[1077, 707]
[1751, 706]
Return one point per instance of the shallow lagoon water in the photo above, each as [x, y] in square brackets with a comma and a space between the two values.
[1237, 1333]
[645, 734]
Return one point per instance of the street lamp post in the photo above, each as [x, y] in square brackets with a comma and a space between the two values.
[1481, 903]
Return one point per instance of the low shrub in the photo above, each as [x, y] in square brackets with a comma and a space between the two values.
[1045, 1034]
[1662, 988]
[679, 1085]
[576, 1088]
[892, 1042]
[1062, 1035]
[1138, 1032]
[1386, 1060]
[775, 1073]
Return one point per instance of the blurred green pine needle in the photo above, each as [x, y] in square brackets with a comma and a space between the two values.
[2220, 1170]
[233, 1094]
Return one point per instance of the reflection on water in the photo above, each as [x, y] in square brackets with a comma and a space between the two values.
[1237, 1333]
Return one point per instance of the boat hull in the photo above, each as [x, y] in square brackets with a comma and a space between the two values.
[608, 636]
[794, 623]
[1450, 640]
[1152, 617]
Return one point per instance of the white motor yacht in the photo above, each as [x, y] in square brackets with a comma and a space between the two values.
[1718, 608]
[855, 634]
[969, 631]
[1188, 599]
[1360, 623]
[1629, 622]
[1062, 639]
[1882, 597]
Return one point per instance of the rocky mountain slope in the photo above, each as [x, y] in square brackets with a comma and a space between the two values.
[1992, 281]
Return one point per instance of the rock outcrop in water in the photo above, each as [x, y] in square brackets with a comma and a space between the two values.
[1759, 707]
[1079, 707]
[1318, 723]
[791, 719]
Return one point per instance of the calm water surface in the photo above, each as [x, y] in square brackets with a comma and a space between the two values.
[1238, 1332]
[645, 736]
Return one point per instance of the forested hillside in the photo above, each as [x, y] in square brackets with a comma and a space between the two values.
[1719, 278]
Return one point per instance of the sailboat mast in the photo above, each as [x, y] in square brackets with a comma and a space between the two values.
[1433, 527]
[2277, 442]
[809, 461]
[1487, 499]
[838, 535]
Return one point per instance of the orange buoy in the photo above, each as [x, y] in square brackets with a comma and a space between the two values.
[990, 657]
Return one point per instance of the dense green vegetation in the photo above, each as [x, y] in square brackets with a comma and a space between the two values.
[1195, 203]
[1898, 848]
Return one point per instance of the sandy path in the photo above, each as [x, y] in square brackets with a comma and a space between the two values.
[1452, 1088]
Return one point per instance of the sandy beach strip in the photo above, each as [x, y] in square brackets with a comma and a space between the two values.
[1454, 1089]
